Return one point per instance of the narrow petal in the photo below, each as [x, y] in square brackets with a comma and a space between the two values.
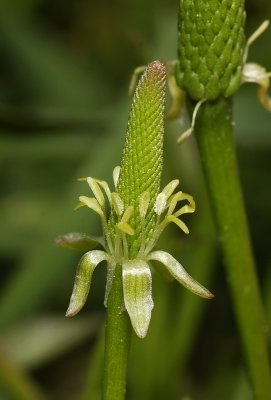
[117, 203]
[92, 203]
[170, 187]
[116, 175]
[180, 274]
[160, 203]
[180, 196]
[137, 291]
[83, 277]
[126, 228]
[94, 186]
[78, 241]
[106, 189]
[178, 222]
[144, 202]
[127, 214]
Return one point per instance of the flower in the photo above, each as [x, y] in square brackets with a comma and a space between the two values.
[137, 281]
[135, 214]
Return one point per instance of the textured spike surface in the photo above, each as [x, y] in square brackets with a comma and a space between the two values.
[141, 164]
[210, 47]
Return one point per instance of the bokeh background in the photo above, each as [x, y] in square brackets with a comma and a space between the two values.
[64, 72]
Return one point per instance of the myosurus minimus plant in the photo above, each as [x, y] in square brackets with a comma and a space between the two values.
[133, 216]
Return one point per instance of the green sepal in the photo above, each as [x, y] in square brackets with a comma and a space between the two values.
[83, 278]
[78, 241]
[137, 292]
[179, 273]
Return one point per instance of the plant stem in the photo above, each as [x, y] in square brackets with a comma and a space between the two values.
[214, 135]
[117, 342]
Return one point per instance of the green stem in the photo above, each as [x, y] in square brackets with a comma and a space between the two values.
[214, 135]
[117, 342]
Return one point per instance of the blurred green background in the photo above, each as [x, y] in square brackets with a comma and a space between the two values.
[64, 73]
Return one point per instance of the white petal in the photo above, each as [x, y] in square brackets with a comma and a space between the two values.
[117, 203]
[160, 203]
[126, 228]
[170, 187]
[116, 174]
[106, 189]
[257, 74]
[83, 277]
[179, 273]
[137, 291]
[144, 202]
[178, 222]
[180, 196]
[92, 203]
[127, 214]
[96, 190]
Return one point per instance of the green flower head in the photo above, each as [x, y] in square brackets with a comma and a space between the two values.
[136, 212]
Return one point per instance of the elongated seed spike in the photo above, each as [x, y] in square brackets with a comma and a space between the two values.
[141, 164]
[211, 45]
